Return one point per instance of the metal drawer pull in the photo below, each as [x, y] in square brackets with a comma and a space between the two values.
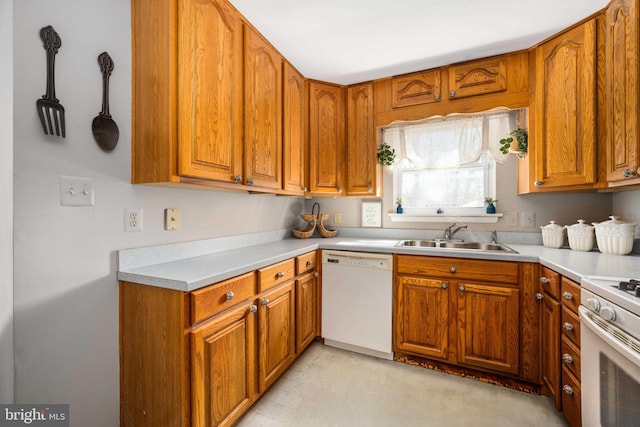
[444, 285]
[539, 296]
[567, 389]
[316, 274]
[566, 358]
[237, 178]
[567, 296]
[567, 326]
[461, 288]
[309, 263]
[265, 301]
[253, 308]
[544, 280]
[230, 295]
[452, 269]
[280, 275]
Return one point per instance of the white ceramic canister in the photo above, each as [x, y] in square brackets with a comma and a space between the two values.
[614, 236]
[580, 236]
[552, 235]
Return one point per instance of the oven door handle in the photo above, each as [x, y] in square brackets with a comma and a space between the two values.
[626, 345]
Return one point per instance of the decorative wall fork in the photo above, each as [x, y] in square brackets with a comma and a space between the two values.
[50, 111]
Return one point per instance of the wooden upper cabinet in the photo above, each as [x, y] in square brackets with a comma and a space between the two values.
[416, 88]
[262, 112]
[623, 91]
[209, 90]
[478, 77]
[326, 139]
[294, 132]
[362, 166]
[563, 143]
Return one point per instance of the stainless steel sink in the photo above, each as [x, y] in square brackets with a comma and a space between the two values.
[473, 246]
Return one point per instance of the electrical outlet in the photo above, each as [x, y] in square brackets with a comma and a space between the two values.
[132, 219]
[76, 191]
[511, 219]
[171, 219]
[527, 219]
[337, 218]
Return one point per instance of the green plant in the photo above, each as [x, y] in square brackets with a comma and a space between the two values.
[521, 136]
[386, 154]
[399, 201]
[489, 200]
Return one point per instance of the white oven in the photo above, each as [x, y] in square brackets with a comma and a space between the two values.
[610, 353]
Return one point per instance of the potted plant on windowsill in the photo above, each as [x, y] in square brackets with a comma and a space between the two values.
[491, 208]
[507, 144]
[399, 208]
[386, 154]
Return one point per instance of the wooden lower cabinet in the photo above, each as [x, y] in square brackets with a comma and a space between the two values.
[202, 358]
[223, 376]
[465, 312]
[276, 313]
[550, 342]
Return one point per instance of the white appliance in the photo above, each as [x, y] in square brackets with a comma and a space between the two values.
[610, 351]
[357, 295]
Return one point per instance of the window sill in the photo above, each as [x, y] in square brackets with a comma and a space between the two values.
[470, 218]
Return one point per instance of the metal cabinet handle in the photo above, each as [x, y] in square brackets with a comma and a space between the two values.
[539, 296]
[280, 274]
[461, 288]
[309, 263]
[237, 178]
[250, 181]
[265, 301]
[567, 296]
[444, 285]
[566, 358]
[567, 389]
[339, 189]
[537, 183]
[544, 280]
[452, 93]
[253, 308]
[316, 274]
[452, 269]
[437, 97]
[628, 173]
[567, 326]
[230, 295]
[304, 188]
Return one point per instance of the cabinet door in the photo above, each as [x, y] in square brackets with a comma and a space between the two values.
[478, 78]
[564, 140]
[422, 316]
[306, 310]
[550, 346]
[276, 333]
[622, 89]
[294, 136]
[362, 165]
[416, 88]
[210, 91]
[326, 139]
[488, 326]
[223, 367]
[262, 112]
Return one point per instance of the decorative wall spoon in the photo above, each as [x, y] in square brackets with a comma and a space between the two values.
[105, 130]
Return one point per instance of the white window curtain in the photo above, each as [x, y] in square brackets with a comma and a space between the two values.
[449, 142]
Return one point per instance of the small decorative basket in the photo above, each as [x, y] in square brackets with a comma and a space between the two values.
[314, 220]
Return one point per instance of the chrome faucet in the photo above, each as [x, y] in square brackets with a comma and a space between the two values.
[450, 231]
[494, 236]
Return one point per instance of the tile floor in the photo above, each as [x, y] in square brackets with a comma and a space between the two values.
[331, 387]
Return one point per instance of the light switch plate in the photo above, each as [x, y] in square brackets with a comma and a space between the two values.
[76, 191]
[527, 219]
[511, 219]
[171, 219]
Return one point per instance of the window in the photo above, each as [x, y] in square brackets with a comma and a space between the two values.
[448, 165]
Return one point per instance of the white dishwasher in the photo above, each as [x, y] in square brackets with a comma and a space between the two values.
[357, 297]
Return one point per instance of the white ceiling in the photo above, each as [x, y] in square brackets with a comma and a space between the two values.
[351, 41]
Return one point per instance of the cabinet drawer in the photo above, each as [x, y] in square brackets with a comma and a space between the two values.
[570, 294]
[571, 325]
[571, 406]
[306, 262]
[459, 268]
[213, 299]
[571, 357]
[275, 274]
[550, 282]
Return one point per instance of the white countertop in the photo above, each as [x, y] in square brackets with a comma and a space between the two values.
[195, 272]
